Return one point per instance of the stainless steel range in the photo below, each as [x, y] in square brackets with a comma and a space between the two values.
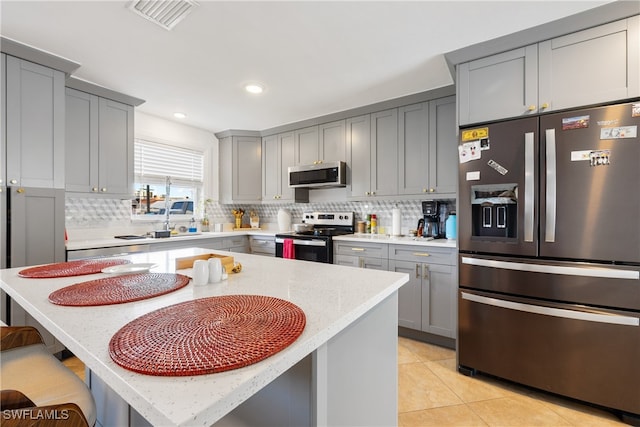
[317, 243]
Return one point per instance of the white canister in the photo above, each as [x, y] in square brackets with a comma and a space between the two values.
[284, 220]
[200, 272]
[215, 270]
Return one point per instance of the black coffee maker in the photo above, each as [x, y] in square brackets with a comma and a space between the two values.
[431, 212]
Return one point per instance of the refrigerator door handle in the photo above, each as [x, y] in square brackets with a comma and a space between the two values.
[550, 214]
[529, 190]
[556, 312]
[608, 273]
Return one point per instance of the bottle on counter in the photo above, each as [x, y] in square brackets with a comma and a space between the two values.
[374, 224]
[368, 228]
[192, 226]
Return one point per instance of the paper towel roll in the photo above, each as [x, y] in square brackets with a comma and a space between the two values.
[396, 223]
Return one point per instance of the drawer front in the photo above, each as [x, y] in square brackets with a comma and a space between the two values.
[362, 262]
[265, 246]
[230, 242]
[425, 254]
[371, 250]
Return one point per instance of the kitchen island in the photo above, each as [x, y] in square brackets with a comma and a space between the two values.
[342, 370]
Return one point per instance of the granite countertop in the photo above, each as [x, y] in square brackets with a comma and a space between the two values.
[396, 240]
[331, 296]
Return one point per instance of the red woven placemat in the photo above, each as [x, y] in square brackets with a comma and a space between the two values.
[70, 268]
[207, 335]
[118, 289]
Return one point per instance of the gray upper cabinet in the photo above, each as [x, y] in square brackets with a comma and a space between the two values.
[116, 147]
[332, 142]
[427, 148]
[99, 146]
[373, 155]
[34, 113]
[600, 64]
[277, 155]
[358, 151]
[240, 169]
[413, 148]
[306, 146]
[443, 147]
[321, 143]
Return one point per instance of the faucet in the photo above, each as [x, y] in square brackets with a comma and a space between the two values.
[167, 204]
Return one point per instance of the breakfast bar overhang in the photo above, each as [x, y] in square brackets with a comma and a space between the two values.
[342, 369]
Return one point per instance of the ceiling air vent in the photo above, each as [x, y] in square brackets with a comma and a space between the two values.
[166, 13]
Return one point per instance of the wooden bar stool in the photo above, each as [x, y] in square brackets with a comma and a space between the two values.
[37, 389]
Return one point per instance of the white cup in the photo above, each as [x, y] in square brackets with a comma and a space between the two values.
[215, 270]
[200, 272]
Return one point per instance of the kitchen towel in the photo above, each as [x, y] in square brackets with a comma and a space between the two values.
[287, 249]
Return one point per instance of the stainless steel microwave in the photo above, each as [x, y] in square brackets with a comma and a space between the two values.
[329, 174]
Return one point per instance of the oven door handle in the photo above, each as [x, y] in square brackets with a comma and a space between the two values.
[300, 242]
[556, 312]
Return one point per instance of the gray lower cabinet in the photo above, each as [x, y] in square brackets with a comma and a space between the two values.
[428, 302]
[362, 255]
[34, 112]
[597, 65]
[99, 145]
[240, 169]
[37, 237]
[263, 245]
[236, 244]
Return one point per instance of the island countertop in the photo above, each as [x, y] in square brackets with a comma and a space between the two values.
[332, 298]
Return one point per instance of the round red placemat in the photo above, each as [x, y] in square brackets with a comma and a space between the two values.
[70, 268]
[118, 289]
[207, 335]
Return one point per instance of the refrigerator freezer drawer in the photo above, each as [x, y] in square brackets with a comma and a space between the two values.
[590, 355]
[601, 285]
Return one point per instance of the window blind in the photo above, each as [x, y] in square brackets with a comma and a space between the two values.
[154, 162]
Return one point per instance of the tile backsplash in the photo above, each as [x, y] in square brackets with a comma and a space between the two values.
[99, 214]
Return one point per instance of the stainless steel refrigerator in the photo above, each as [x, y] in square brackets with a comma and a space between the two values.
[549, 241]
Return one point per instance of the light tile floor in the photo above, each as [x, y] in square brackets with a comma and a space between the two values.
[433, 393]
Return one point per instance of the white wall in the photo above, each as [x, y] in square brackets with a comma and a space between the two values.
[161, 130]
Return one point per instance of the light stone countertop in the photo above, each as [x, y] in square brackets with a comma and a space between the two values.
[399, 240]
[372, 238]
[331, 296]
[96, 243]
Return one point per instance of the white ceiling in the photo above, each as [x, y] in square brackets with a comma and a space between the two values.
[314, 58]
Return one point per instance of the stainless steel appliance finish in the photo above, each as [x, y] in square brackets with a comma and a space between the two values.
[329, 174]
[549, 240]
[317, 244]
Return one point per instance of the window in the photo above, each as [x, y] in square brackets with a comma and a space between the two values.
[153, 163]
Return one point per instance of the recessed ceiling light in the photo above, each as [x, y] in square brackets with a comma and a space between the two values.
[254, 88]
[180, 115]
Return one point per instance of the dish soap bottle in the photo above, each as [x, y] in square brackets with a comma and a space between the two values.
[192, 226]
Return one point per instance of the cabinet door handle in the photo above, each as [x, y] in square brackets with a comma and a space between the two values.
[94, 189]
[531, 108]
[13, 181]
[544, 105]
[421, 254]
[425, 271]
[103, 189]
[20, 190]
[357, 249]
